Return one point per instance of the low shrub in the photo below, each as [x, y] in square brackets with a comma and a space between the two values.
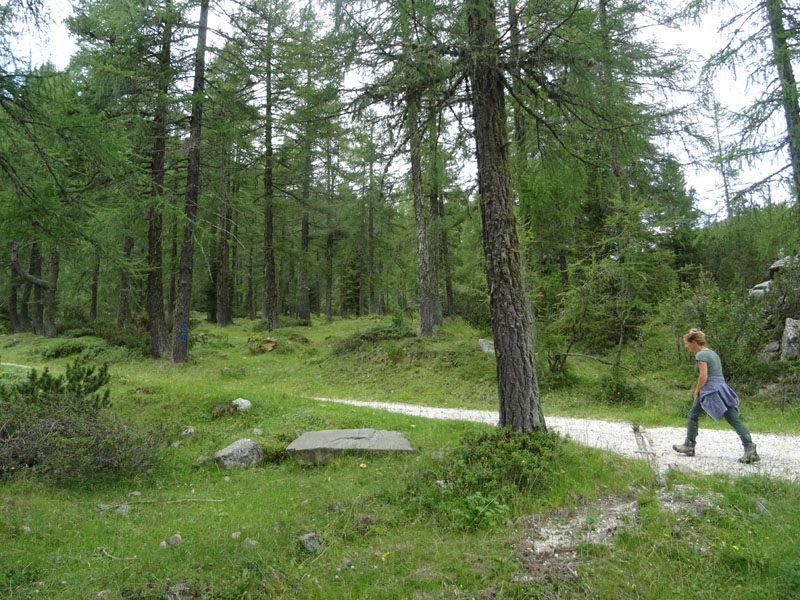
[58, 427]
[110, 354]
[381, 332]
[63, 348]
[77, 332]
[616, 388]
[209, 340]
[487, 473]
[136, 338]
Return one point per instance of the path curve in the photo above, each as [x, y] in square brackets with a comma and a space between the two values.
[717, 450]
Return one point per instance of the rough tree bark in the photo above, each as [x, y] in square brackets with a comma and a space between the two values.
[520, 404]
[154, 292]
[224, 312]
[426, 280]
[48, 287]
[269, 305]
[95, 286]
[303, 288]
[124, 308]
[13, 316]
[180, 336]
[35, 269]
[789, 91]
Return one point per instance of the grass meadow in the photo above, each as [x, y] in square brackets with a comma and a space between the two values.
[389, 530]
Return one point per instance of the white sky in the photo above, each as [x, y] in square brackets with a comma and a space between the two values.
[54, 44]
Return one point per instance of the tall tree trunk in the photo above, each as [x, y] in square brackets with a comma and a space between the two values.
[124, 307]
[782, 57]
[50, 297]
[24, 309]
[180, 338]
[95, 285]
[234, 296]
[13, 316]
[223, 279]
[435, 203]
[173, 274]
[154, 291]
[444, 254]
[329, 275]
[35, 269]
[48, 288]
[303, 299]
[251, 300]
[428, 292]
[269, 306]
[520, 404]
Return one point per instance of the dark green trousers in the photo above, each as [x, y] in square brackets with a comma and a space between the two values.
[732, 416]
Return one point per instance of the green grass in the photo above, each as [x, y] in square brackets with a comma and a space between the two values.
[378, 542]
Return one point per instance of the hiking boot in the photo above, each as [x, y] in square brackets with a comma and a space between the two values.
[750, 455]
[685, 449]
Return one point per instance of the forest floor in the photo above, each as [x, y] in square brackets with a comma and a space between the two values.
[717, 450]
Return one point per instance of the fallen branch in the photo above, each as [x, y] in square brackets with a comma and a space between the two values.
[102, 507]
[103, 551]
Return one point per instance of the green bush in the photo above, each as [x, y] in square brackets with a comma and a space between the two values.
[110, 354]
[70, 347]
[616, 388]
[486, 473]
[136, 338]
[58, 427]
[77, 332]
[381, 332]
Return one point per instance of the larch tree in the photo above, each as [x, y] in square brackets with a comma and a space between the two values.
[180, 334]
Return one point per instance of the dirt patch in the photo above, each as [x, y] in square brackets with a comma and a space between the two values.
[548, 550]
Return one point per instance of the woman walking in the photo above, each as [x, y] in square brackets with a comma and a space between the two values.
[712, 395]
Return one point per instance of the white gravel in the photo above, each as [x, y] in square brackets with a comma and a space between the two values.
[717, 450]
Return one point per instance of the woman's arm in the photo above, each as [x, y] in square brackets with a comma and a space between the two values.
[702, 367]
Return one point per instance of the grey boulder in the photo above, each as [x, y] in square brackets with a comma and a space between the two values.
[319, 447]
[241, 453]
[790, 343]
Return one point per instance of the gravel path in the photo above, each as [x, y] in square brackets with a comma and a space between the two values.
[717, 450]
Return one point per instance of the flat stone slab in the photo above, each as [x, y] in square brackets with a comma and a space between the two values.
[319, 447]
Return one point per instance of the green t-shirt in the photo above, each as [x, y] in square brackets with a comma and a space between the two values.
[713, 361]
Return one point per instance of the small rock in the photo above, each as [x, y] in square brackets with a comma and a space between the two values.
[312, 542]
[346, 562]
[226, 478]
[486, 345]
[175, 540]
[188, 431]
[242, 404]
[243, 370]
[101, 594]
[761, 508]
[223, 355]
[102, 507]
[236, 535]
[249, 543]
[181, 590]
[444, 484]
[24, 529]
[135, 494]
[437, 454]
[163, 544]
[176, 444]
[241, 453]
[123, 509]
[257, 431]
[201, 459]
